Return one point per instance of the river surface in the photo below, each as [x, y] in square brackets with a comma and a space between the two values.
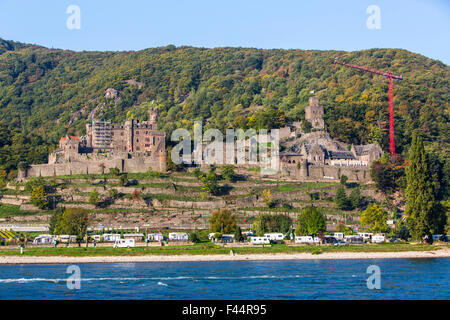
[291, 279]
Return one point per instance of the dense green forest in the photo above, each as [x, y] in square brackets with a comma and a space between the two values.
[47, 93]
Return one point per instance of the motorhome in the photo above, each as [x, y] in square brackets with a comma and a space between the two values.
[378, 239]
[178, 236]
[124, 243]
[274, 236]
[306, 239]
[259, 240]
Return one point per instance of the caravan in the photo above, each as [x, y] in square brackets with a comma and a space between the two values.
[111, 237]
[43, 239]
[378, 239]
[259, 240]
[274, 236]
[306, 239]
[178, 236]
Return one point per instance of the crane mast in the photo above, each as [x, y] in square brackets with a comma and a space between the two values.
[391, 79]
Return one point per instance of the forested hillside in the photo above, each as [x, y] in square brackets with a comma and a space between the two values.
[47, 93]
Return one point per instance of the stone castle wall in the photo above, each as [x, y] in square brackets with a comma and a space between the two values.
[133, 165]
[327, 172]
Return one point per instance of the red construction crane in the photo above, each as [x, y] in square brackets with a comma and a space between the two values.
[391, 78]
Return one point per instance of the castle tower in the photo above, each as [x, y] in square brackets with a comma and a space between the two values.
[153, 118]
[314, 114]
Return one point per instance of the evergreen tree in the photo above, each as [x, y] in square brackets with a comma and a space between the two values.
[355, 198]
[341, 199]
[422, 209]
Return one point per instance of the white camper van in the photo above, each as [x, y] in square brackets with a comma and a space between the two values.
[124, 243]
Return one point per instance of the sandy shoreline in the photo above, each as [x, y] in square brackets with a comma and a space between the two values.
[443, 253]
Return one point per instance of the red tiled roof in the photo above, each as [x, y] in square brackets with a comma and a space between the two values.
[71, 138]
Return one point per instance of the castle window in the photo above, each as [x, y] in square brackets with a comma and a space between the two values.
[121, 134]
[137, 148]
[147, 145]
[137, 140]
[147, 139]
[153, 140]
[137, 132]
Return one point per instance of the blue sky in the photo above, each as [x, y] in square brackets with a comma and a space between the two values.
[416, 25]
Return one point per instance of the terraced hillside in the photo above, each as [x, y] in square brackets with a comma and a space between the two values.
[173, 200]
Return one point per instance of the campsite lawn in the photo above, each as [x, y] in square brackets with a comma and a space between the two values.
[210, 249]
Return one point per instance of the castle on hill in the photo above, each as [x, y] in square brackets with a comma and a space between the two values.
[316, 155]
[138, 146]
[135, 146]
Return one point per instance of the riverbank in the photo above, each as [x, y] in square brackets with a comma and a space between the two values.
[443, 252]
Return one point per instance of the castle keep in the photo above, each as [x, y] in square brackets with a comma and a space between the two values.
[136, 146]
[315, 155]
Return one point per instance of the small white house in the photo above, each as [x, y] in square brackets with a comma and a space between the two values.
[155, 237]
[111, 237]
[43, 239]
[306, 239]
[259, 240]
[378, 239]
[124, 243]
[178, 236]
[274, 236]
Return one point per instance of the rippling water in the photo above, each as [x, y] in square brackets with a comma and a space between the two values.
[293, 279]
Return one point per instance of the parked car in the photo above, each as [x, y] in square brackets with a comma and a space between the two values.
[341, 243]
[124, 243]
